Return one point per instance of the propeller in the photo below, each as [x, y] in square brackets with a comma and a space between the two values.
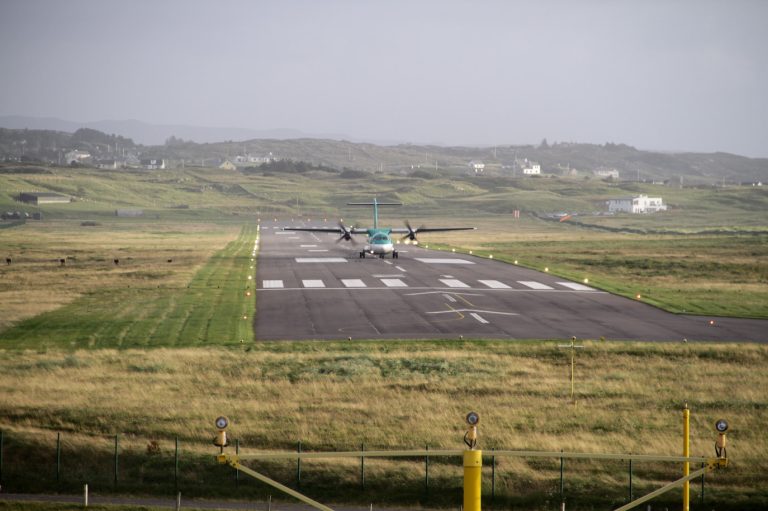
[346, 234]
[411, 231]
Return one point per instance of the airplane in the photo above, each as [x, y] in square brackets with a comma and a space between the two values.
[379, 240]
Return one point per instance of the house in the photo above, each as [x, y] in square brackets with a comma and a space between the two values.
[639, 204]
[532, 169]
[605, 173]
[228, 165]
[44, 198]
[76, 156]
[477, 166]
[153, 163]
[107, 164]
[248, 159]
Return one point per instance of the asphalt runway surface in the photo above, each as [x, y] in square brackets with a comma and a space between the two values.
[310, 287]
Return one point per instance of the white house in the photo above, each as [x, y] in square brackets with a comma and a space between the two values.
[477, 166]
[152, 163]
[606, 173]
[533, 169]
[639, 204]
[76, 156]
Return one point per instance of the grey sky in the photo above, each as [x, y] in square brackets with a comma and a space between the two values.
[667, 75]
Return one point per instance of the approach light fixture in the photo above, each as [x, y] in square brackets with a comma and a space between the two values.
[222, 422]
[473, 419]
[721, 426]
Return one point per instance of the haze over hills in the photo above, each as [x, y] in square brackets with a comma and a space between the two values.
[575, 160]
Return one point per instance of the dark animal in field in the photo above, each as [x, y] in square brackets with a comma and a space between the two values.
[117, 261]
[170, 260]
[7, 260]
[62, 262]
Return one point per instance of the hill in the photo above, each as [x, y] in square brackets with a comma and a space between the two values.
[561, 159]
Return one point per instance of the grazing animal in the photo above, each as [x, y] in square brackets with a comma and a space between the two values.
[170, 260]
[62, 261]
[117, 261]
[7, 260]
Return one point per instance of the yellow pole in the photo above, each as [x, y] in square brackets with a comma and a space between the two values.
[473, 467]
[573, 350]
[686, 453]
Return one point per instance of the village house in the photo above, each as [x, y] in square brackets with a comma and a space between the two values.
[639, 204]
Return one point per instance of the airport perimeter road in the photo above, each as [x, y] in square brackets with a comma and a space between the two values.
[310, 287]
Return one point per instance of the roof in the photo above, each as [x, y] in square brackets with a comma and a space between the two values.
[43, 194]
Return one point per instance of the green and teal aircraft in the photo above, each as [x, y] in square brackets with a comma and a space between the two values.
[379, 239]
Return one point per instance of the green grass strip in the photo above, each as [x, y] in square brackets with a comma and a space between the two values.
[213, 309]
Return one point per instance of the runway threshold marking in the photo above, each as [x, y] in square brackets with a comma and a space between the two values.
[353, 283]
[320, 260]
[533, 284]
[454, 283]
[393, 283]
[272, 284]
[313, 283]
[429, 260]
[575, 286]
[494, 284]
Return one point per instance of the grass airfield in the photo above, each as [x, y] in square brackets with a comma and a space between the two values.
[153, 350]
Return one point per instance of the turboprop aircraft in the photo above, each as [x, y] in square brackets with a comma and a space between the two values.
[379, 240]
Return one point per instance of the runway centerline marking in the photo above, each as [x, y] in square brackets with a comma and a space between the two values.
[476, 311]
[313, 283]
[272, 284]
[401, 269]
[353, 283]
[317, 250]
[308, 246]
[533, 284]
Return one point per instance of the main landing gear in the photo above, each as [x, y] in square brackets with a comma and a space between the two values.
[395, 255]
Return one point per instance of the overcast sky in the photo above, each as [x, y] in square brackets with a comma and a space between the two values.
[666, 75]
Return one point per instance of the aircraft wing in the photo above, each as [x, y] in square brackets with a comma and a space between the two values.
[400, 230]
[352, 230]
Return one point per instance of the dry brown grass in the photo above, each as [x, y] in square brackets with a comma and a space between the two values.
[406, 395]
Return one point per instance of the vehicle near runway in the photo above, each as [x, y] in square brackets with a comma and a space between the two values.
[379, 239]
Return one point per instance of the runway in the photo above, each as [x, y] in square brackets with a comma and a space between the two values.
[309, 287]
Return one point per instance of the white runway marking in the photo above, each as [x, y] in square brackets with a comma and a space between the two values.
[353, 283]
[318, 250]
[494, 284]
[479, 318]
[447, 276]
[308, 246]
[284, 232]
[401, 269]
[533, 284]
[575, 286]
[394, 283]
[267, 284]
[320, 260]
[453, 283]
[388, 276]
[442, 261]
[313, 283]
[388, 262]
[449, 298]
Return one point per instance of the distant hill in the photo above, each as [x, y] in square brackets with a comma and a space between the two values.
[563, 159]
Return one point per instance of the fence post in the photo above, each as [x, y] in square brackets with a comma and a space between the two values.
[362, 466]
[426, 472]
[116, 457]
[58, 457]
[493, 477]
[176, 467]
[237, 472]
[85, 495]
[1, 457]
[298, 467]
[702, 486]
[562, 484]
[630, 479]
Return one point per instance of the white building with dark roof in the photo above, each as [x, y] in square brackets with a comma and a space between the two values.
[639, 204]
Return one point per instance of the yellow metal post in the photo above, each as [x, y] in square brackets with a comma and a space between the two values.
[686, 453]
[473, 467]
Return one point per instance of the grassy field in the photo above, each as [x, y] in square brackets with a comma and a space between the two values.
[383, 395]
[388, 395]
[169, 287]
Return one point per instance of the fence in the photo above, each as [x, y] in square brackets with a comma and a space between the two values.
[42, 463]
